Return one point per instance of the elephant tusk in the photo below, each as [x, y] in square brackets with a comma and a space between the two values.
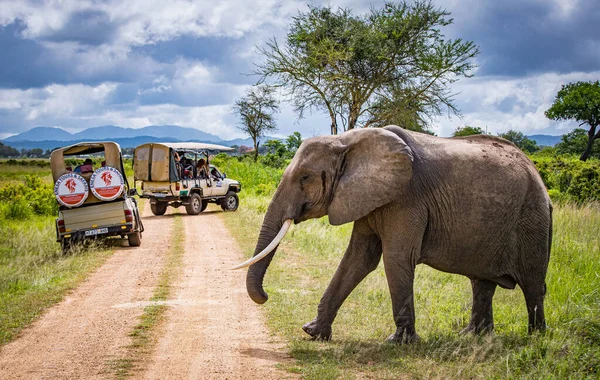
[270, 247]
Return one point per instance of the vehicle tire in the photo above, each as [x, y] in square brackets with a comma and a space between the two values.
[204, 205]
[135, 239]
[158, 208]
[231, 202]
[65, 245]
[195, 205]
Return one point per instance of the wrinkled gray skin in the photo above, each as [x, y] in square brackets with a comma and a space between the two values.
[474, 206]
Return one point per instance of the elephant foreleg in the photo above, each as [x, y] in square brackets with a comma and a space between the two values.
[400, 276]
[362, 257]
[482, 318]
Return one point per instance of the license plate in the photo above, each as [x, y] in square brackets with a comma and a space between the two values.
[99, 231]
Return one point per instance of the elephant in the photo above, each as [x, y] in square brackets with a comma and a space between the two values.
[474, 206]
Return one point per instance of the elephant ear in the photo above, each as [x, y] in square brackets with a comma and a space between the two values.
[375, 170]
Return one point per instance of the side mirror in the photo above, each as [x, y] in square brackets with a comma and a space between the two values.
[224, 175]
[132, 192]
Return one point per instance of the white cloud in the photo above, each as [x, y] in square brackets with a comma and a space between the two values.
[149, 21]
[57, 101]
[500, 104]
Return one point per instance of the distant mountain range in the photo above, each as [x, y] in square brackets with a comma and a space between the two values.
[52, 137]
[545, 140]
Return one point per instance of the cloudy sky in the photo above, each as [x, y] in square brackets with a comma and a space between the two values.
[84, 63]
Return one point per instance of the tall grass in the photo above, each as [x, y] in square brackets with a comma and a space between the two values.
[310, 253]
[16, 173]
[34, 274]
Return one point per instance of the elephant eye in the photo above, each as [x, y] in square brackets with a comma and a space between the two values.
[304, 177]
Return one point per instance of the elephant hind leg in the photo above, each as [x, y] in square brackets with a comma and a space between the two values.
[534, 292]
[482, 318]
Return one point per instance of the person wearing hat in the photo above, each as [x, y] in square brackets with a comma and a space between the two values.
[86, 167]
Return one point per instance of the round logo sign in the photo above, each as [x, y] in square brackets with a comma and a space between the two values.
[107, 183]
[71, 190]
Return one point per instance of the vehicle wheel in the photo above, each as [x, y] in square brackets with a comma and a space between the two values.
[65, 245]
[231, 202]
[158, 208]
[195, 205]
[135, 239]
[204, 205]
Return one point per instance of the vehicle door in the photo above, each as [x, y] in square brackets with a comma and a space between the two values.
[218, 185]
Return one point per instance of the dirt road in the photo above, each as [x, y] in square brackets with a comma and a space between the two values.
[212, 329]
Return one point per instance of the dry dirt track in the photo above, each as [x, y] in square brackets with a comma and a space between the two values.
[212, 329]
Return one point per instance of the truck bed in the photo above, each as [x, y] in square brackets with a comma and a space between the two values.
[94, 216]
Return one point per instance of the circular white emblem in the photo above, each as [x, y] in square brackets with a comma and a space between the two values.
[107, 183]
[71, 190]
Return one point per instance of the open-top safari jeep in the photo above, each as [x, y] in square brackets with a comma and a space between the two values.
[93, 202]
[176, 174]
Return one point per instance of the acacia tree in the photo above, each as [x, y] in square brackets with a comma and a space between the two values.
[362, 69]
[467, 131]
[579, 101]
[256, 111]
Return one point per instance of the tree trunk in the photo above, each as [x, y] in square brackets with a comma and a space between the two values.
[334, 129]
[255, 149]
[592, 136]
[353, 117]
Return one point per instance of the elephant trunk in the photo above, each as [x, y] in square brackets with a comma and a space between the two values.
[272, 230]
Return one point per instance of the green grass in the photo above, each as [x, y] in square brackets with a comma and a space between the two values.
[145, 332]
[311, 251]
[34, 274]
[18, 173]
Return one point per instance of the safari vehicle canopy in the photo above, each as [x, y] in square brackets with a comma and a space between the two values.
[155, 162]
[112, 158]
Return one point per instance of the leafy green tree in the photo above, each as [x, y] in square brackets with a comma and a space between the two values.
[276, 147]
[519, 139]
[8, 151]
[361, 69]
[37, 152]
[402, 109]
[293, 142]
[579, 101]
[467, 131]
[256, 111]
[576, 142]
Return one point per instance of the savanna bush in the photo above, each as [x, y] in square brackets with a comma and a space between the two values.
[31, 197]
[255, 177]
[569, 179]
[26, 162]
[274, 161]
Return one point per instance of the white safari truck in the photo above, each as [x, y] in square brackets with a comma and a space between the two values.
[179, 174]
[93, 202]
